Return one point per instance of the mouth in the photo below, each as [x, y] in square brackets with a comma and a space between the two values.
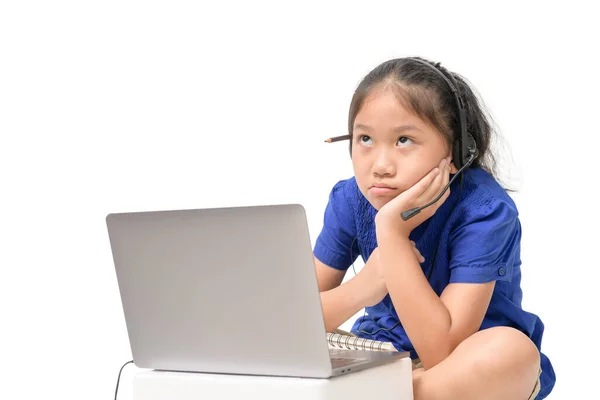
[381, 189]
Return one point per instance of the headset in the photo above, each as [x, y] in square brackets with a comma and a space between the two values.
[464, 148]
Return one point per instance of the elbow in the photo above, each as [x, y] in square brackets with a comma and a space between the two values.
[437, 351]
[436, 356]
[330, 326]
[331, 323]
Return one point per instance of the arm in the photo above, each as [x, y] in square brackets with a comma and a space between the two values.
[339, 303]
[435, 325]
[367, 288]
[336, 248]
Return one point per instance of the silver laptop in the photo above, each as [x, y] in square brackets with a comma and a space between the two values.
[226, 290]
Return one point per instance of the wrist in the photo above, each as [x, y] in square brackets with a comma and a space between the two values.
[388, 234]
[360, 288]
[386, 227]
[393, 242]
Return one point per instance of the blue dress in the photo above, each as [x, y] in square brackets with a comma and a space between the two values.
[477, 234]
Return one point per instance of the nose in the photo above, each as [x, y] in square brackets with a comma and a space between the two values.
[384, 164]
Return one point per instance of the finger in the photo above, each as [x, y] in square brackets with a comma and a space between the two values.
[417, 252]
[421, 186]
[436, 186]
[444, 197]
[446, 176]
[445, 180]
[419, 256]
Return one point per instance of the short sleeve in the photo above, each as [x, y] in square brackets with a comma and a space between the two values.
[486, 246]
[336, 245]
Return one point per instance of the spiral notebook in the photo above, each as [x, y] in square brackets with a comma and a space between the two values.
[337, 340]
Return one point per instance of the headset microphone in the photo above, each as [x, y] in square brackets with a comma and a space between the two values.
[406, 215]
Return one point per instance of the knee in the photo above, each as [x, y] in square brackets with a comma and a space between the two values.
[519, 352]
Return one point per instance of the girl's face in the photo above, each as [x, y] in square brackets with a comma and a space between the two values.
[392, 149]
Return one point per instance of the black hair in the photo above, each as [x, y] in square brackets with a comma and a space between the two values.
[425, 94]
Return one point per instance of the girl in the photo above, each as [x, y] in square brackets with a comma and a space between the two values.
[442, 282]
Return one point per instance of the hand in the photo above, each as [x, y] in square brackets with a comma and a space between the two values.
[417, 253]
[388, 219]
[374, 285]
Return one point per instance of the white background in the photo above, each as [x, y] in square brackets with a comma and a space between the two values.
[112, 106]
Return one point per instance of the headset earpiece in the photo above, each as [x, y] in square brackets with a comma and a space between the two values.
[464, 151]
[464, 148]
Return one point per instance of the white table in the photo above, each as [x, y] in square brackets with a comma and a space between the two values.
[390, 381]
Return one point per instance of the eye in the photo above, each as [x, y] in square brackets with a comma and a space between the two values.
[364, 139]
[404, 141]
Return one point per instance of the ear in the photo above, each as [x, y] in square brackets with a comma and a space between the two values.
[453, 169]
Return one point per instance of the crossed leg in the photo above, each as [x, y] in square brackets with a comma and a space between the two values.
[498, 363]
